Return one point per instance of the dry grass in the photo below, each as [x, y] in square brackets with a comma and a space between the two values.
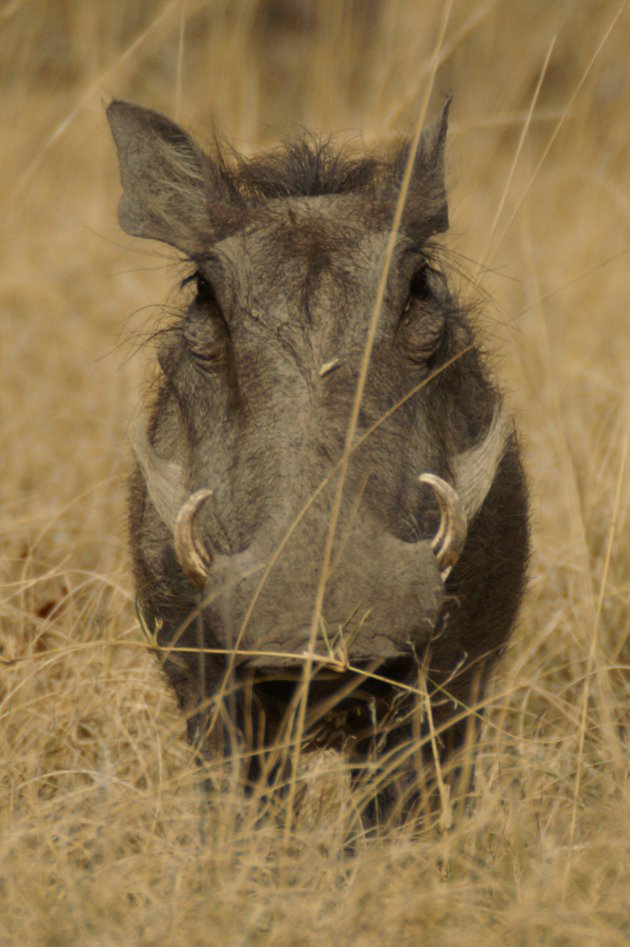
[104, 837]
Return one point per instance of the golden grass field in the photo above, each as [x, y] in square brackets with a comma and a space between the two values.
[104, 839]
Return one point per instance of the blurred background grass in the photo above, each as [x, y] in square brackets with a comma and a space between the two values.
[102, 837]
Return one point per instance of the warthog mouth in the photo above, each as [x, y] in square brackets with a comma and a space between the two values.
[343, 707]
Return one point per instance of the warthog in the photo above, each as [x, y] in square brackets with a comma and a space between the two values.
[328, 515]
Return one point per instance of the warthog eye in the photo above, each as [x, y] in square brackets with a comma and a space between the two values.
[422, 325]
[204, 329]
[420, 287]
[205, 292]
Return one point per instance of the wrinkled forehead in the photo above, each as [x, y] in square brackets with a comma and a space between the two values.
[319, 242]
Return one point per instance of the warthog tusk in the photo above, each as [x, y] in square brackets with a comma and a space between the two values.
[448, 542]
[191, 553]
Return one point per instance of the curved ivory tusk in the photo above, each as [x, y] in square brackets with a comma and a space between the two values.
[192, 555]
[448, 542]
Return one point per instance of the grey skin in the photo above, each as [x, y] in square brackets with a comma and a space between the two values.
[249, 419]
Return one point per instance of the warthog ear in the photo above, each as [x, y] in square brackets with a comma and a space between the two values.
[172, 191]
[426, 207]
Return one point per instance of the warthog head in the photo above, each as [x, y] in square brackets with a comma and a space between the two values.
[328, 468]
